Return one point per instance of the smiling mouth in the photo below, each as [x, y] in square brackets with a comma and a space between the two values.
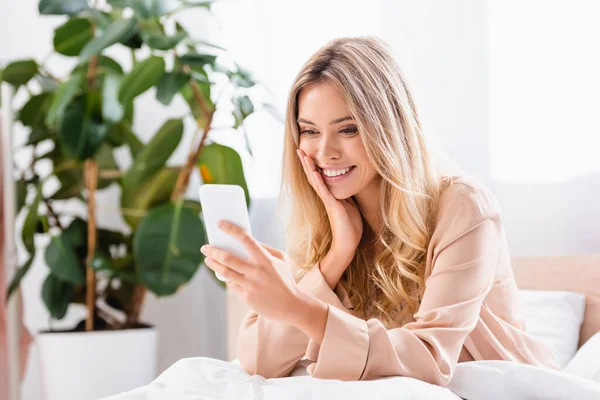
[333, 174]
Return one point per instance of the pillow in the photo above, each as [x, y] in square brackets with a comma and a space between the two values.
[586, 362]
[554, 317]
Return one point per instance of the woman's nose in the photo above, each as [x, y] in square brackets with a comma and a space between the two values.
[328, 149]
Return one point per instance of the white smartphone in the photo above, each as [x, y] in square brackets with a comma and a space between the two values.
[224, 202]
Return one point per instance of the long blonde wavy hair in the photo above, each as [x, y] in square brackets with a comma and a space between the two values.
[389, 284]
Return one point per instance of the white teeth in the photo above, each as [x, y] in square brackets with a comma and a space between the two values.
[335, 172]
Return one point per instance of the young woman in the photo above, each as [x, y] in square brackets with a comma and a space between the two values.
[394, 264]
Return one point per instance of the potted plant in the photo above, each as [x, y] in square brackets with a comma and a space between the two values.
[86, 116]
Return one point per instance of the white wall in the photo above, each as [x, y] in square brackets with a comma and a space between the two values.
[443, 46]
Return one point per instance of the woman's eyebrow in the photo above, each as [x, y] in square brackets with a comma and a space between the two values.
[335, 121]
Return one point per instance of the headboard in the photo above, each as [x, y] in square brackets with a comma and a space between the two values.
[571, 273]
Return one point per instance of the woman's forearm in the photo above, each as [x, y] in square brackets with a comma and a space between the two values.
[310, 315]
[333, 267]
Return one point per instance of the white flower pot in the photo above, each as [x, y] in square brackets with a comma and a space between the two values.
[91, 365]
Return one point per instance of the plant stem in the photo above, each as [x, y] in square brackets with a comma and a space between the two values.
[91, 75]
[51, 211]
[184, 176]
[91, 181]
[137, 300]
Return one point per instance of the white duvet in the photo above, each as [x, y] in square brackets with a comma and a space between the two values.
[208, 378]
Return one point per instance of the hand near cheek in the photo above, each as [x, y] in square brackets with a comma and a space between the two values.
[264, 281]
[344, 216]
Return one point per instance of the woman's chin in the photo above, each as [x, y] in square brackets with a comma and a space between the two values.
[342, 194]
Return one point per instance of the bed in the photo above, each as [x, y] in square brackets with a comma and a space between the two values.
[205, 378]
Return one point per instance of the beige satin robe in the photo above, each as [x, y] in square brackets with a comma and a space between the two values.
[469, 311]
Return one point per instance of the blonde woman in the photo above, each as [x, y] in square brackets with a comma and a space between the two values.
[395, 265]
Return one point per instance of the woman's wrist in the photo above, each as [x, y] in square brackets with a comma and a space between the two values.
[309, 314]
[333, 266]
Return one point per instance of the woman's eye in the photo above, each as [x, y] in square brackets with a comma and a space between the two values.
[307, 131]
[349, 131]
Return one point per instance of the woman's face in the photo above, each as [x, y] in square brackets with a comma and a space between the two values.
[330, 136]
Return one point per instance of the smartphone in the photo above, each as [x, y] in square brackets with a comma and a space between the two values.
[224, 202]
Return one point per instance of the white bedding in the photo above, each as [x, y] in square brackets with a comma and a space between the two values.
[206, 378]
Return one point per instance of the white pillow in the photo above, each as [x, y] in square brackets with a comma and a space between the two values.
[586, 362]
[554, 317]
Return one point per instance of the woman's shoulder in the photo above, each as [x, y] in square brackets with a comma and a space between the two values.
[464, 203]
[467, 192]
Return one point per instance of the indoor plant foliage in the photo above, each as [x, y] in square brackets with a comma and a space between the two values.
[89, 114]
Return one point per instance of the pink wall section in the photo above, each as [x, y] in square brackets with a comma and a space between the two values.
[25, 337]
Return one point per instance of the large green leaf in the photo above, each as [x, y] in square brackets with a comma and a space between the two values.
[20, 72]
[197, 60]
[164, 42]
[61, 7]
[47, 83]
[222, 165]
[166, 247]
[57, 294]
[38, 135]
[63, 260]
[34, 111]
[170, 84]
[20, 193]
[119, 30]
[63, 96]
[155, 191]
[154, 155]
[104, 64]
[123, 130]
[76, 236]
[28, 231]
[18, 276]
[81, 132]
[142, 77]
[72, 36]
[112, 109]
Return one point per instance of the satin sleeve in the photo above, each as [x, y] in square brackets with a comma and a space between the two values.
[272, 348]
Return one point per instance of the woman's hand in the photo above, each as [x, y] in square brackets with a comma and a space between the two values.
[265, 281]
[344, 217]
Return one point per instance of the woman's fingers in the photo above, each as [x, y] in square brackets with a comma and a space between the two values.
[229, 260]
[227, 273]
[252, 246]
[315, 178]
[305, 167]
[273, 251]
[235, 287]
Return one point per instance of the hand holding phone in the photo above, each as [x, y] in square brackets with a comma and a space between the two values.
[224, 202]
